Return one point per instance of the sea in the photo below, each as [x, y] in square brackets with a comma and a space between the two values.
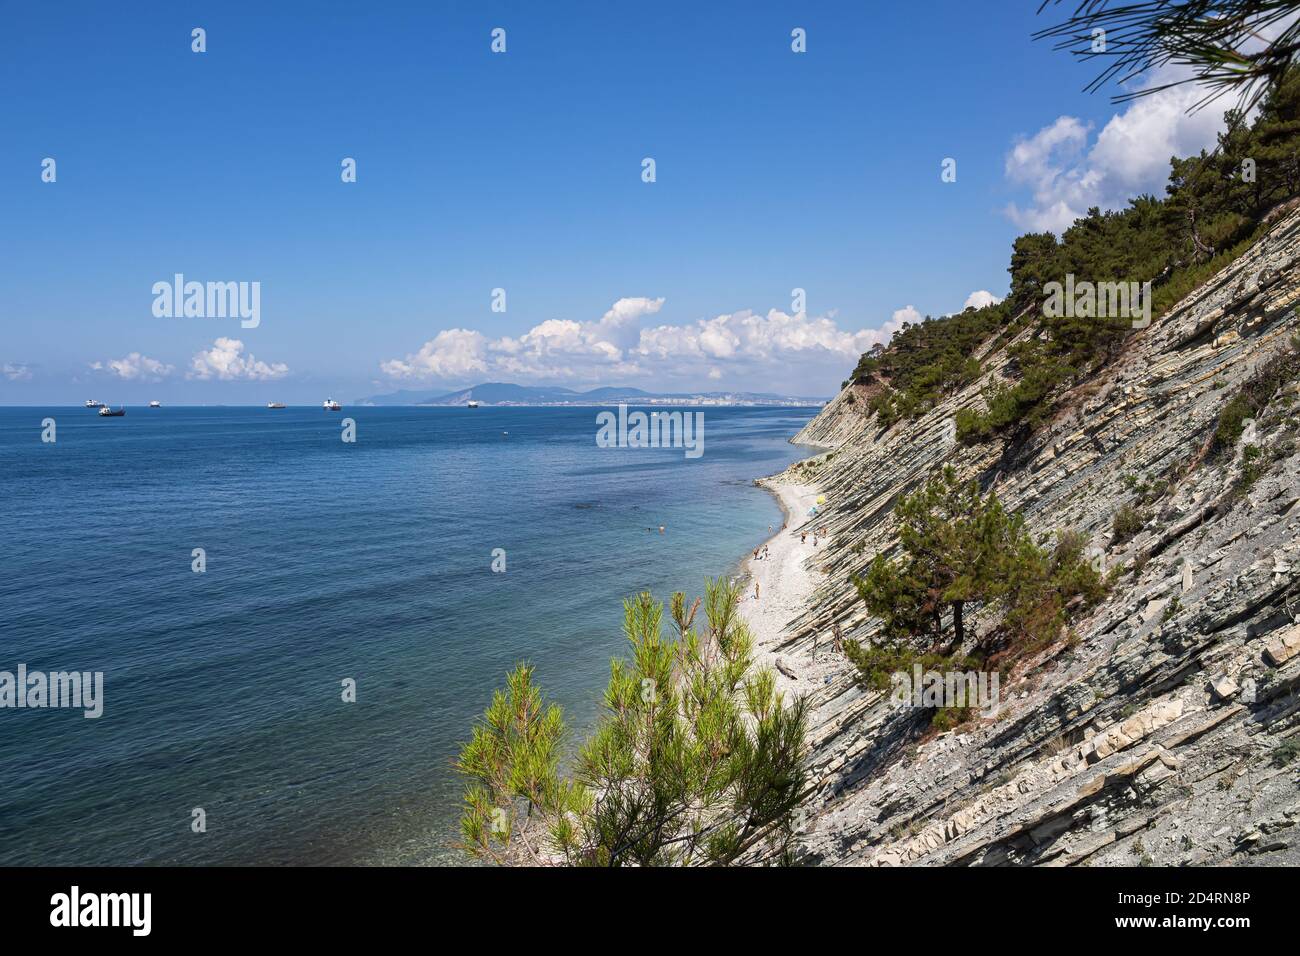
[297, 632]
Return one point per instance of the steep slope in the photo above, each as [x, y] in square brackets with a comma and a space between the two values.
[1161, 732]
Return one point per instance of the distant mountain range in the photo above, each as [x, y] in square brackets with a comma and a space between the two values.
[502, 393]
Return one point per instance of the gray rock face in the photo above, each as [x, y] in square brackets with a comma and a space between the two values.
[1161, 733]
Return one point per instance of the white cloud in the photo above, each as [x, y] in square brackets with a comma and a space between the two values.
[620, 324]
[1037, 159]
[907, 313]
[1129, 157]
[980, 298]
[618, 347]
[452, 353]
[16, 371]
[226, 360]
[556, 348]
[135, 367]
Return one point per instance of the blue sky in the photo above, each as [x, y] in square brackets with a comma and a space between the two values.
[523, 171]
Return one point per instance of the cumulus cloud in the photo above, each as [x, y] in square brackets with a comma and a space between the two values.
[227, 360]
[980, 298]
[1130, 156]
[557, 348]
[752, 338]
[620, 346]
[452, 353]
[134, 368]
[16, 371]
[908, 314]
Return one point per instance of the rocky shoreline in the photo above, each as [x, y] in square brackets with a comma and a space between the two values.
[1159, 732]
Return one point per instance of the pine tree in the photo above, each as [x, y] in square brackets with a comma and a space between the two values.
[961, 551]
[697, 760]
[1229, 46]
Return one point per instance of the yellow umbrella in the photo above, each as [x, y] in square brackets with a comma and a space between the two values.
[821, 499]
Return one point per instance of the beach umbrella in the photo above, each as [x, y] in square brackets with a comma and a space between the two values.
[821, 499]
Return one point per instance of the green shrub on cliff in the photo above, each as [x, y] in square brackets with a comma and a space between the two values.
[696, 760]
[926, 361]
[877, 665]
[1126, 523]
[1210, 214]
[1254, 396]
[954, 542]
[963, 551]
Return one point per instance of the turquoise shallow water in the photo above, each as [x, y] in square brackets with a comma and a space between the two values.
[325, 561]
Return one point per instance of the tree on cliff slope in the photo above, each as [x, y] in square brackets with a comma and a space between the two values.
[1215, 205]
[954, 542]
[962, 550]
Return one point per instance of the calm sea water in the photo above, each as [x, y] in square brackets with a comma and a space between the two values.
[325, 561]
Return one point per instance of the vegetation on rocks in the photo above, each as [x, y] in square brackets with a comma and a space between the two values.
[1214, 208]
[696, 760]
[1126, 523]
[926, 361]
[961, 553]
[1288, 751]
[876, 667]
[1254, 396]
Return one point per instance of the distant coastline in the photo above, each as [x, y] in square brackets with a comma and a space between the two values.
[505, 394]
[692, 401]
[678, 402]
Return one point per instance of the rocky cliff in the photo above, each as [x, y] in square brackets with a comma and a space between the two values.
[1162, 729]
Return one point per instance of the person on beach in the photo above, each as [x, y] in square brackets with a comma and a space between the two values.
[755, 590]
[803, 538]
[837, 638]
